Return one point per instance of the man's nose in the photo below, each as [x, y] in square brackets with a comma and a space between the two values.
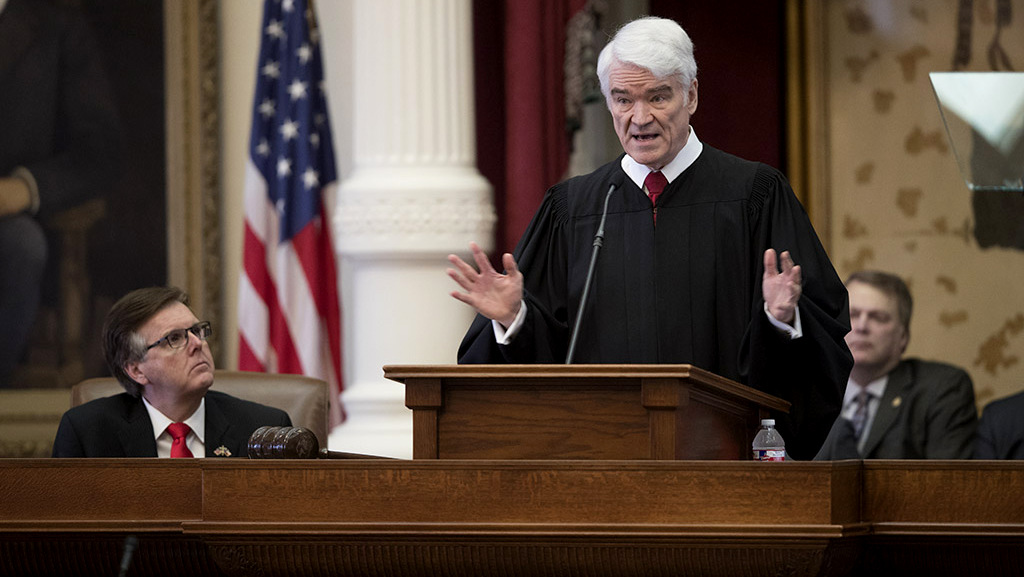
[193, 340]
[858, 322]
[642, 114]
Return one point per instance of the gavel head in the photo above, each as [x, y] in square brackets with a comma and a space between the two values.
[283, 443]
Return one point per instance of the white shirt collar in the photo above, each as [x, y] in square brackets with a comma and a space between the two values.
[687, 156]
[875, 387]
[197, 422]
[3, 4]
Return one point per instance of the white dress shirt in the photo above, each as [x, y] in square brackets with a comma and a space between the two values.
[195, 441]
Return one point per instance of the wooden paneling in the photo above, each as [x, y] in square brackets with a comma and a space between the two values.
[441, 517]
[579, 412]
[478, 517]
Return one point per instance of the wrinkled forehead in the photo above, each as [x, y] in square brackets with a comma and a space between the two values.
[630, 75]
[171, 317]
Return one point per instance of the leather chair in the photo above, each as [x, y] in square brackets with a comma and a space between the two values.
[305, 399]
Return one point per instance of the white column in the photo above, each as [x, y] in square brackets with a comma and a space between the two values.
[414, 195]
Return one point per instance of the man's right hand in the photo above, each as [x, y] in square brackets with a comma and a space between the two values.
[495, 295]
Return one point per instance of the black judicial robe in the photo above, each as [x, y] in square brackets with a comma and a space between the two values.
[685, 291]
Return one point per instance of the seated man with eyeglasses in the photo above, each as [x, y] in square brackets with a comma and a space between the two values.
[157, 349]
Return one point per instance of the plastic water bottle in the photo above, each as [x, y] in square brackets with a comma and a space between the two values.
[768, 444]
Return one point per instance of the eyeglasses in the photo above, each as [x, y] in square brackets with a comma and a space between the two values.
[179, 337]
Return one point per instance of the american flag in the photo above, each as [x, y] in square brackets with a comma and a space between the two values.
[289, 316]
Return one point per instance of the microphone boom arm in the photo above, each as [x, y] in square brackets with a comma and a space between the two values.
[598, 243]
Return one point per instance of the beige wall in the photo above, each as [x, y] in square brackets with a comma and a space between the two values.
[898, 202]
[239, 29]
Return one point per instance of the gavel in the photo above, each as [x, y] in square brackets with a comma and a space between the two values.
[292, 443]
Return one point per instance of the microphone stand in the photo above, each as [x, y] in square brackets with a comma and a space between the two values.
[131, 542]
[598, 243]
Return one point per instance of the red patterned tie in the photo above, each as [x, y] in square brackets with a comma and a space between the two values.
[178, 432]
[655, 183]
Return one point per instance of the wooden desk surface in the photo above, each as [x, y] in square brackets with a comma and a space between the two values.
[396, 517]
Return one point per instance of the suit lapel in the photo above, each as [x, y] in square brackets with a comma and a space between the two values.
[136, 434]
[218, 427]
[889, 406]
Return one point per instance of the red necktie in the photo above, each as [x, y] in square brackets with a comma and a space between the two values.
[178, 432]
[655, 183]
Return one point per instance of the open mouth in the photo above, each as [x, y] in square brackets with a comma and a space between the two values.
[645, 137]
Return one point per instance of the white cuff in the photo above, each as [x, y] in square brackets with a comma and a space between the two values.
[795, 331]
[504, 336]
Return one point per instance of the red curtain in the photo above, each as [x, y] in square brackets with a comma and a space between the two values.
[523, 142]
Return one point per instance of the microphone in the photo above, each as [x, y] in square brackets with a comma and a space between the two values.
[615, 182]
[131, 542]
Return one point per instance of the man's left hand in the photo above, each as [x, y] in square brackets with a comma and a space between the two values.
[781, 290]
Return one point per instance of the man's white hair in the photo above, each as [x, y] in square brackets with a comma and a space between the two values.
[657, 44]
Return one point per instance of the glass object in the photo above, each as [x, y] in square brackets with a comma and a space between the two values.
[983, 113]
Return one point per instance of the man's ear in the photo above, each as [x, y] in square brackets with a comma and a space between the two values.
[134, 371]
[691, 98]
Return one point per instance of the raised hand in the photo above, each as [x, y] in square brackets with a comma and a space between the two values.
[495, 295]
[781, 290]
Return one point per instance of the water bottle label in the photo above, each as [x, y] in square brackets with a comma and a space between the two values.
[769, 454]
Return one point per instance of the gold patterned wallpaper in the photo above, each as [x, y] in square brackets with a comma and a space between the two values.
[897, 201]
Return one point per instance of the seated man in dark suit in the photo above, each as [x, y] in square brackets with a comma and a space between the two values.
[897, 408]
[1001, 429]
[156, 347]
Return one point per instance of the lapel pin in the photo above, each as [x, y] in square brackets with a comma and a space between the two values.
[222, 451]
[896, 402]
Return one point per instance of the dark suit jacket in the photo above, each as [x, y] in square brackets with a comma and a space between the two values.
[1001, 429]
[119, 426]
[926, 412]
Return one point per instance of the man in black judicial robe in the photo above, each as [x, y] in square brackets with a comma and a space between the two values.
[700, 284]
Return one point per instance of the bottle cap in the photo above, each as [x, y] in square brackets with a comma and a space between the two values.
[767, 422]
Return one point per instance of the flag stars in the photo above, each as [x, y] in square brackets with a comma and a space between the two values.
[263, 148]
[271, 69]
[267, 108]
[314, 140]
[297, 89]
[284, 167]
[305, 52]
[310, 178]
[290, 129]
[275, 30]
[288, 5]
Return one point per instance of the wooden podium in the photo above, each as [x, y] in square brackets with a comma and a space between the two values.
[606, 412]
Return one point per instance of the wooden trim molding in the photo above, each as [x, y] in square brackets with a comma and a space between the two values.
[194, 242]
[807, 112]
